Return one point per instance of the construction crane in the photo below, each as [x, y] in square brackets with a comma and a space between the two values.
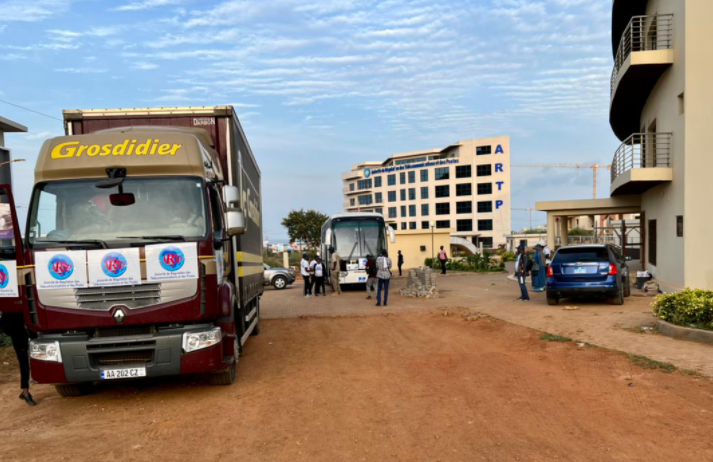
[594, 167]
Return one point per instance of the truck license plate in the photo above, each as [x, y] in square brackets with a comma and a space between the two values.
[129, 373]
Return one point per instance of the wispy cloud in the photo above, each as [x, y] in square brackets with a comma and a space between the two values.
[82, 70]
[148, 4]
[31, 11]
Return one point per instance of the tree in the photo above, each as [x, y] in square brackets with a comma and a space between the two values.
[305, 226]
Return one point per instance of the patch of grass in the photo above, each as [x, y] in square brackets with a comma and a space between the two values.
[554, 338]
[648, 363]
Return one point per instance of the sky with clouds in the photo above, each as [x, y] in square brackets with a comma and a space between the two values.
[322, 84]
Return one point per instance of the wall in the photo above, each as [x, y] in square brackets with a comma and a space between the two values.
[664, 202]
[698, 222]
[409, 243]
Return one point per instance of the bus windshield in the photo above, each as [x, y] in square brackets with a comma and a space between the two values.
[76, 210]
[358, 238]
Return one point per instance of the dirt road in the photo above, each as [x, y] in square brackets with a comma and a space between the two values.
[411, 386]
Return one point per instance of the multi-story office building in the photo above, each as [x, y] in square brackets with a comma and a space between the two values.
[464, 187]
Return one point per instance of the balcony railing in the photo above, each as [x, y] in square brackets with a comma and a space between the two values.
[642, 150]
[644, 33]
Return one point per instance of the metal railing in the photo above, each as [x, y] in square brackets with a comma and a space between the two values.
[642, 150]
[644, 33]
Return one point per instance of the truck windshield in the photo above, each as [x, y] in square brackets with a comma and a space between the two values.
[77, 210]
[357, 239]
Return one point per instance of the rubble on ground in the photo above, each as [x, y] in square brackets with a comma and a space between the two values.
[420, 283]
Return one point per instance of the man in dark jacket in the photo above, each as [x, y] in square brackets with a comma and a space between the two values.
[521, 271]
[400, 262]
[371, 279]
[13, 325]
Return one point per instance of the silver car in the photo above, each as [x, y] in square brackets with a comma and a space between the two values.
[279, 278]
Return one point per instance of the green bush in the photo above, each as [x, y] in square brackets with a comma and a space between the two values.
[690, 308]
[473, 263]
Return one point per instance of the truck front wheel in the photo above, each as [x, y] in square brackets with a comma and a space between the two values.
[227, 376]
[74, 389]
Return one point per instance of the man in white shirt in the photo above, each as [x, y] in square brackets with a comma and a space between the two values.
[383, 273]
[318, 277]
[305, 272]
[548, 254]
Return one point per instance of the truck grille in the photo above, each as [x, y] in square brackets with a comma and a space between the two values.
[124, 331]
[103, 298]
[124, 358]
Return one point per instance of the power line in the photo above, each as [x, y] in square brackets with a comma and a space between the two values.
[29, 110]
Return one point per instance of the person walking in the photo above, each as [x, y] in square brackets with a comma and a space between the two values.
[521, 270]
[383, 274]
[400, 262]
[336, 267]
[443, 258]
[539, 270]
[13, 325]
[319, 277]
[548, 254]
[305, 272]
[371, 279]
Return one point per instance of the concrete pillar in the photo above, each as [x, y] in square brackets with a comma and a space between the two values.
[551, 231]
[564, 231]
[285, 259]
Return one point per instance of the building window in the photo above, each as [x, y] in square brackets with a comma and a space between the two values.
[403, 194]
[391, 196]
[652, 242]
[442, 173]
[379, 210]
[412, 225]
[402, 178]
[377, 182]
[485, 207]
[403, 211]
[424, 192]
[378, 198]
[679, 226]
[485, 188]
[463, 171]
[484, 170]
[464, 189]
[403, 225]
[485, 225]
[412, 194]
[487, 242]
[352, 186]
[412, 177]
[412, 210]
[440, 224]
[483, 150]
[391, 180]
[352, 202]
[464, 225]
[365, 200]
[392, 212]
[424, 210]
[424, 175]
[443, 191]
[444, 208]
[364, 184]
[425, 225]
[464, 207]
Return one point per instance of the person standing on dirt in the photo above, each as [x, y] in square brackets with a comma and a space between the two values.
[383, 274]
[13, 325]
[521, 270]
[400, 262]
[371, 279]
[539, 270]
[336, 267]
[305, 272]
[443, 258]
[318, 270]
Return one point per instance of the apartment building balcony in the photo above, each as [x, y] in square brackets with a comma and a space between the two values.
[642, 161]
[347, 192]
[644, 53]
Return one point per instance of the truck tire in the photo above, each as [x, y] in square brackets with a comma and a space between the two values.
[618, 299]
[227, 376]
[73, 389]
[256, 330]
[279, 283]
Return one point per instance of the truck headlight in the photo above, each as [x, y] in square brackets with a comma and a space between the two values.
[45, 351]
[193, 341]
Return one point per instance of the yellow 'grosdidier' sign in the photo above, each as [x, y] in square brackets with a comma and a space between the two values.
[150, 147]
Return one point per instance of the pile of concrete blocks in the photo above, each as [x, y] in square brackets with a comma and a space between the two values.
[420, 283]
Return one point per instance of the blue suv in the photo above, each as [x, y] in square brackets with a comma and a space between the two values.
[588, 270]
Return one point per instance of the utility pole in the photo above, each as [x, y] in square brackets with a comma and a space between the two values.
[529, 209]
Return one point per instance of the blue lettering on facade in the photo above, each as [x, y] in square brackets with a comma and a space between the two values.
[499, 150]
[500, 185]
[498, 204]
[499, 168]
[413, 166]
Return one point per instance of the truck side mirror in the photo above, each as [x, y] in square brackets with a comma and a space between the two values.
[235, 222]
[231, 196]
[392, 235]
